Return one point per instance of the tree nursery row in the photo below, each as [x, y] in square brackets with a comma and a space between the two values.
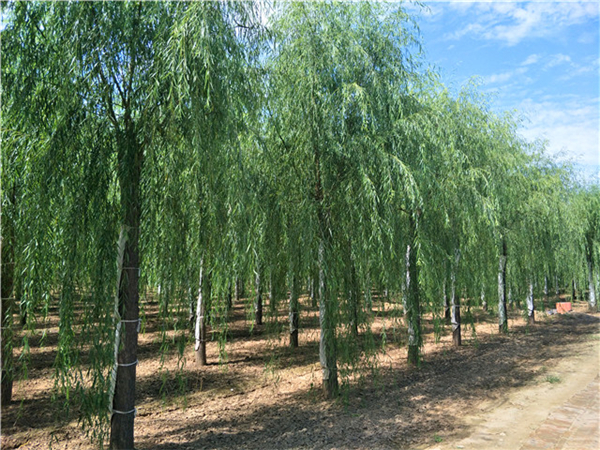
[207, 153]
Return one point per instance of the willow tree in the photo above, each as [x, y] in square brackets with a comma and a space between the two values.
[94, 89]
[506, 187]
[427, 142]
[202, 181]
[335, 71]
[466, 201]
[590, 208]
[545, 187]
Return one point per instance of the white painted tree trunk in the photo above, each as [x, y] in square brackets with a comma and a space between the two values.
[530, 305]
[502, 314]
[327, 344]
[413, 310]
[455, 302]
[200, 328]
[294, 310]
[406, 282]
[483, 300]
[592, 287]
[446, 302]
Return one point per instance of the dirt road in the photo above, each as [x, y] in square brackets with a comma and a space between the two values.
[559, 410]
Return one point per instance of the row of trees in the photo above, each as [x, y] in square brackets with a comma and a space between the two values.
[210, 150]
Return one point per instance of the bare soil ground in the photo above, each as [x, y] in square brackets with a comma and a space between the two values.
[267, 396]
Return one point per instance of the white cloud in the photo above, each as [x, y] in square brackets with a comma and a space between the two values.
[505, 76]
[587, 38]
[556, 60]
[571, 127]
[531, 59]
[513, 22]
[588, 66]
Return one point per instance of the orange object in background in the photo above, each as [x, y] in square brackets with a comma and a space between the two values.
[564, 307]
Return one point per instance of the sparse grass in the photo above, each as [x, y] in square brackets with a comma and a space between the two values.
[553, 379]
[437, 438]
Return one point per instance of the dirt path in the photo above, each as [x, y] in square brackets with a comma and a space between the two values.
[543, 414]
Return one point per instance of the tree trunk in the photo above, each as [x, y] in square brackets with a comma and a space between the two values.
[130, 157]
[9, 289]
[502, 313]
[447, 314]
[229, 297]
[294, 310]
[124, 397]
[7, 302]
[530, 305]
[354, 299]
[574, 290]
[484, 304]
[455, 303]
[258, 300]
[242, 292]
[545, 305]
[237, 290]
[405, 285]
[192, 310]
[314, 288]
[592, 287]
[21, 304]
[272, 293]
[327, 344]
[327, 299]
[413, 312]
[200, 329]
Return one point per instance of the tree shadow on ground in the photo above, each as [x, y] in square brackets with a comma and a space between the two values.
[391, 408]
[394, 409]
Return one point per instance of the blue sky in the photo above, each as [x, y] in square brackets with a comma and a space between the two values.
[540, 58]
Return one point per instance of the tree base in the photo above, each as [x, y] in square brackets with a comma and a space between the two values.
[201, 356]
[413, 355]
[294, 339]
[331, 387]
[6, 391]
[121, 432]
[457, 337]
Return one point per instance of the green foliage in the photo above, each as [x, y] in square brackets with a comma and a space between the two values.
[316, 146]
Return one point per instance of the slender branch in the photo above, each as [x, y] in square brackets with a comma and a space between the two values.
[287, 149]
[108, 97]
[246, 27]
[123, 98]
[132, 55]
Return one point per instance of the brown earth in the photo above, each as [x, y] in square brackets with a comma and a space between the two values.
[267, 396]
